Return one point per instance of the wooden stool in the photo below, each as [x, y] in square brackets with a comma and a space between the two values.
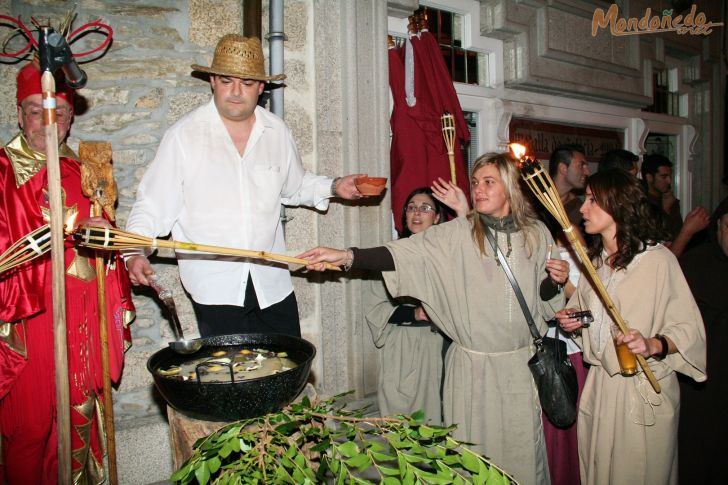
[185, 431]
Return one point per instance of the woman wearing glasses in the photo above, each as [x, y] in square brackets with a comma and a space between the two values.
[452, 270]
[410, 346]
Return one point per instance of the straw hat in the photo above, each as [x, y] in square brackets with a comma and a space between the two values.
[241, 57]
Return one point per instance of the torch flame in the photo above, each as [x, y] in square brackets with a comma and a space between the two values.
[519, 151]
[70, 224]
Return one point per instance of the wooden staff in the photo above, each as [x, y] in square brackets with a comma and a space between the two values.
[110, 238]
[448, 133]
[543, 187]
[97, 183]
[63, 400]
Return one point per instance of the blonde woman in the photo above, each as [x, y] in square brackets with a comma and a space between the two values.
[452, 270]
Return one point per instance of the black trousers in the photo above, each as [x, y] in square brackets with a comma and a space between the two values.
[281, 317]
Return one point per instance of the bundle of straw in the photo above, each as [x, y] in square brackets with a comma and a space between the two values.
[448, 133]
[27, 248]
[543, 187]
[110, 238]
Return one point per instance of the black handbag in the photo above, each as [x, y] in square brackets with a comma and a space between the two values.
[550, 366]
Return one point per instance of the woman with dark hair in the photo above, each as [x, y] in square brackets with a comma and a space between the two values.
[627, 432]
[438, 211]
[410, 345]
[453, 271]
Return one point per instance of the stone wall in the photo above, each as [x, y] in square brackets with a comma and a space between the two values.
[134, 93]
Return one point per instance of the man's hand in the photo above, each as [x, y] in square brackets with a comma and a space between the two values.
[696, 220]
[346, 187]
[668, 199]
[139, 270]
[92, 221]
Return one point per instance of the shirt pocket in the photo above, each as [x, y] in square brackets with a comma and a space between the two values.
[264, 183]
[266, 168]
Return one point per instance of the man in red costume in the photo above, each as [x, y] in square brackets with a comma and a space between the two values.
[27, 377]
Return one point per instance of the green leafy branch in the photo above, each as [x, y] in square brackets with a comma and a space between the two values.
[319, 442]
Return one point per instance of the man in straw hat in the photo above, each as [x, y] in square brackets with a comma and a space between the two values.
[220, 176]
[27, 377]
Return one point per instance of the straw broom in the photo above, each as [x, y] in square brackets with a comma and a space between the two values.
[543, 187]
[115, 239]
[448, 133]
[27, 248]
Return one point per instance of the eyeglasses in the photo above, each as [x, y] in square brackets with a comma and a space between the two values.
[422, 209]
[35, 113]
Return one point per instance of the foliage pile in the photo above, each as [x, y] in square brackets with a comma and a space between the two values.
[321, 442]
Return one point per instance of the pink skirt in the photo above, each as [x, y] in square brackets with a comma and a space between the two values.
[561, 444]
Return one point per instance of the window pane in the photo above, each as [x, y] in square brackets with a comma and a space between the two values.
[472, 149]
[447, 55]
[445, 27]
[457, 30]
[472, 67]
[459, 69]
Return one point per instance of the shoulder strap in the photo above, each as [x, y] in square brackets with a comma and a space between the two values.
[516, 289]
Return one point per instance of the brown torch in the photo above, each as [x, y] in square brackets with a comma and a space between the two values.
[543, 187]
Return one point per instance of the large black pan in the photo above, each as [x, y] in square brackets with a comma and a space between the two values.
[229, 401]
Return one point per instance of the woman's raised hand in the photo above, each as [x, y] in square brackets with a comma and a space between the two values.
[451, 195]
[318, 256]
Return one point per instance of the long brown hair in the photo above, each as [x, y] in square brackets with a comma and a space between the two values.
[521, 209]
[639, 222]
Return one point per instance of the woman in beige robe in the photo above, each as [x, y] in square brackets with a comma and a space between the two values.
[627, 433]
[451, 268]
[410, 359]
[409, 346]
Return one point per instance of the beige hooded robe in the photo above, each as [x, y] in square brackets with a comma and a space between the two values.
[628, 433]
[410, 361]
[488, 392]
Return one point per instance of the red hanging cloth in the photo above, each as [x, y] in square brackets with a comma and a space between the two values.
[418, 154]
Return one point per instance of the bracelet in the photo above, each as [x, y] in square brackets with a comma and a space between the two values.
[665, 347]
[333, 186]
[349, 259]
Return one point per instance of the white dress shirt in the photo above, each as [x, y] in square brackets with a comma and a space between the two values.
[201, 189]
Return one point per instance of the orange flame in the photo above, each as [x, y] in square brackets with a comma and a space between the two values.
[519, 151]
[70, 224]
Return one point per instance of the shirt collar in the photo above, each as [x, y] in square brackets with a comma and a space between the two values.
[27, 162]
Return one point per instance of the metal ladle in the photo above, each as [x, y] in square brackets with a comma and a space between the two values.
[180, 344]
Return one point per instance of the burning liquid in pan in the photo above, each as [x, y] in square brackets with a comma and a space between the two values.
[218, 366]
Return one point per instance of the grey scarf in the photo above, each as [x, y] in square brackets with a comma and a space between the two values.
[503, 224]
